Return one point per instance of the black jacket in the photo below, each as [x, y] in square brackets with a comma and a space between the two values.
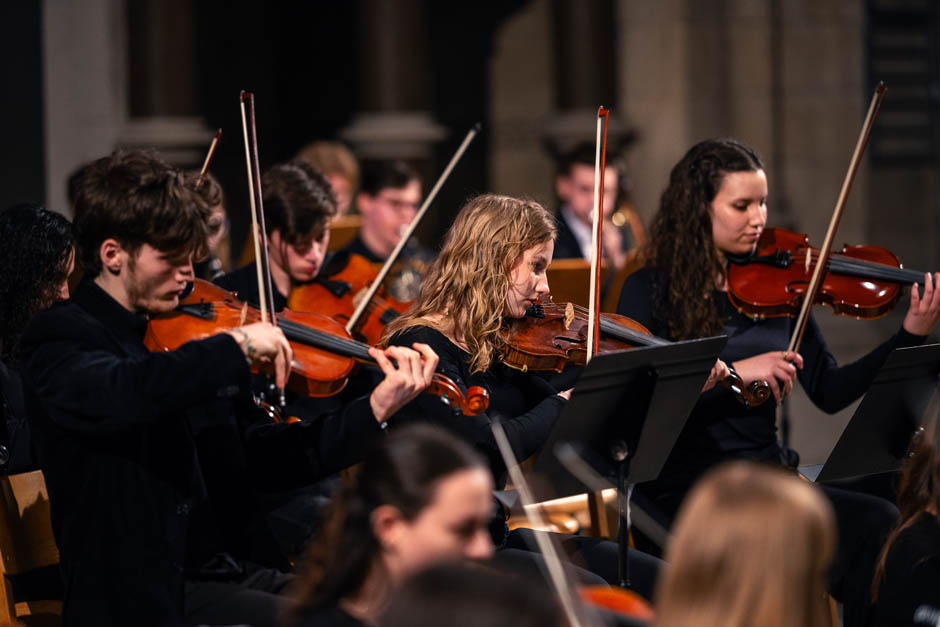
[152, 459]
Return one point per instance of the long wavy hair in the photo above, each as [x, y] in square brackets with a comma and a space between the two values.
[681, 246]
[752, 545]
[37, 247]
[470, 279]
[404, 471]
[919, 487]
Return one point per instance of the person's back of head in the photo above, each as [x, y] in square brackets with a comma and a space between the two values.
[751, 547]
[35, 259]
[468, 596]
[136, 198]
[338, 164]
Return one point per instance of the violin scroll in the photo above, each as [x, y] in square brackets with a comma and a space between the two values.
[474, 403]
[751, 395]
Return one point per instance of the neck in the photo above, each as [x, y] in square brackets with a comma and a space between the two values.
[374, 244]
[279, 277]
[114, 287]
[369, 601]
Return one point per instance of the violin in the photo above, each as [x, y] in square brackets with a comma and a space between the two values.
[864, 282]
[324, 354]
[338, 294]
[554, 335]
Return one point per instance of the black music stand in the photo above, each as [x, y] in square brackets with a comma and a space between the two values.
[877, 437]
[606, 421]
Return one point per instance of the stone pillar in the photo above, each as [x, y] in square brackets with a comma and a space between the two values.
[394, 119]
[162, 91]
[584, 57]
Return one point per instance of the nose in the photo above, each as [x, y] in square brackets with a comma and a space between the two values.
[480, 547]
[542, 286]
[757, 214]
[185, 273]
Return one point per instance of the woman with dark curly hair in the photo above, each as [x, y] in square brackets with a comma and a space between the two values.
[714, 207]
[906, 588]
[36, 259]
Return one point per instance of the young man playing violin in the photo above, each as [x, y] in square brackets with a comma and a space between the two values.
[298, 208]
[153, 461]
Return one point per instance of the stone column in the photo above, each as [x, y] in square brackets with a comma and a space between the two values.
[584, 57]
[162, 91]
[394, 119]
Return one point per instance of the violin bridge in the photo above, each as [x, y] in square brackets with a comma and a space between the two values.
[569, 315]
[809, 260]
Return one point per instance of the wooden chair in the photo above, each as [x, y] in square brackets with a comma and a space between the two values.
[570, 280]
[26, 546]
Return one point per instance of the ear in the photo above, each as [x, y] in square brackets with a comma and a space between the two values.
[387, 525]
[563, 187]
[364, 201]
[112, 255]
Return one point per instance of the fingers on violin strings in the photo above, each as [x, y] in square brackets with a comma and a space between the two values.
[380, 358]
[431, 359]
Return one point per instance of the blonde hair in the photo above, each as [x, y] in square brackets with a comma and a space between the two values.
[752, 545]
[331, 157]
[469, 280]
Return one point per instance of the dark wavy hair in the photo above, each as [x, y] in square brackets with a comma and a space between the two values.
[298, 202]
[681, 248]
[137, 198]
[919, 487]
[37, 246]
[403, 471]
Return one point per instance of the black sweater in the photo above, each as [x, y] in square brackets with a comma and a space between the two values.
[910, 591]
[719, 427]
[526, 405]
[152, 459]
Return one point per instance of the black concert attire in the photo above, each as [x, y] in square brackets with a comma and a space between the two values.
[20, 455]
[720, 428]
[153, 462]
[566, 244]
[294, 514]
[244, 282]
[910, 591]
[527, 407]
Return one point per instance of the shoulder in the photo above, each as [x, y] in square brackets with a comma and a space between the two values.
[63, 320]
[236, 279]
[439, 343]
[921, 539]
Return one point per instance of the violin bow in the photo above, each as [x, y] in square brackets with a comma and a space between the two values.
[265, 294]
[556, 571]
[816, 282]
[600, 165]
[262, 266]
[209, 155]
[387, 266]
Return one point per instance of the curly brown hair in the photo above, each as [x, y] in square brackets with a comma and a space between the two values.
[37, 247]
[682, 249]
[470, 279]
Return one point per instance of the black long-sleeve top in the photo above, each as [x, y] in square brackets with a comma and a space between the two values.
[909, 594]
[719, 427]
[147, 455]
[526, 405]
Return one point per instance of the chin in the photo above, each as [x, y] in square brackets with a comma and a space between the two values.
[163, 305]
